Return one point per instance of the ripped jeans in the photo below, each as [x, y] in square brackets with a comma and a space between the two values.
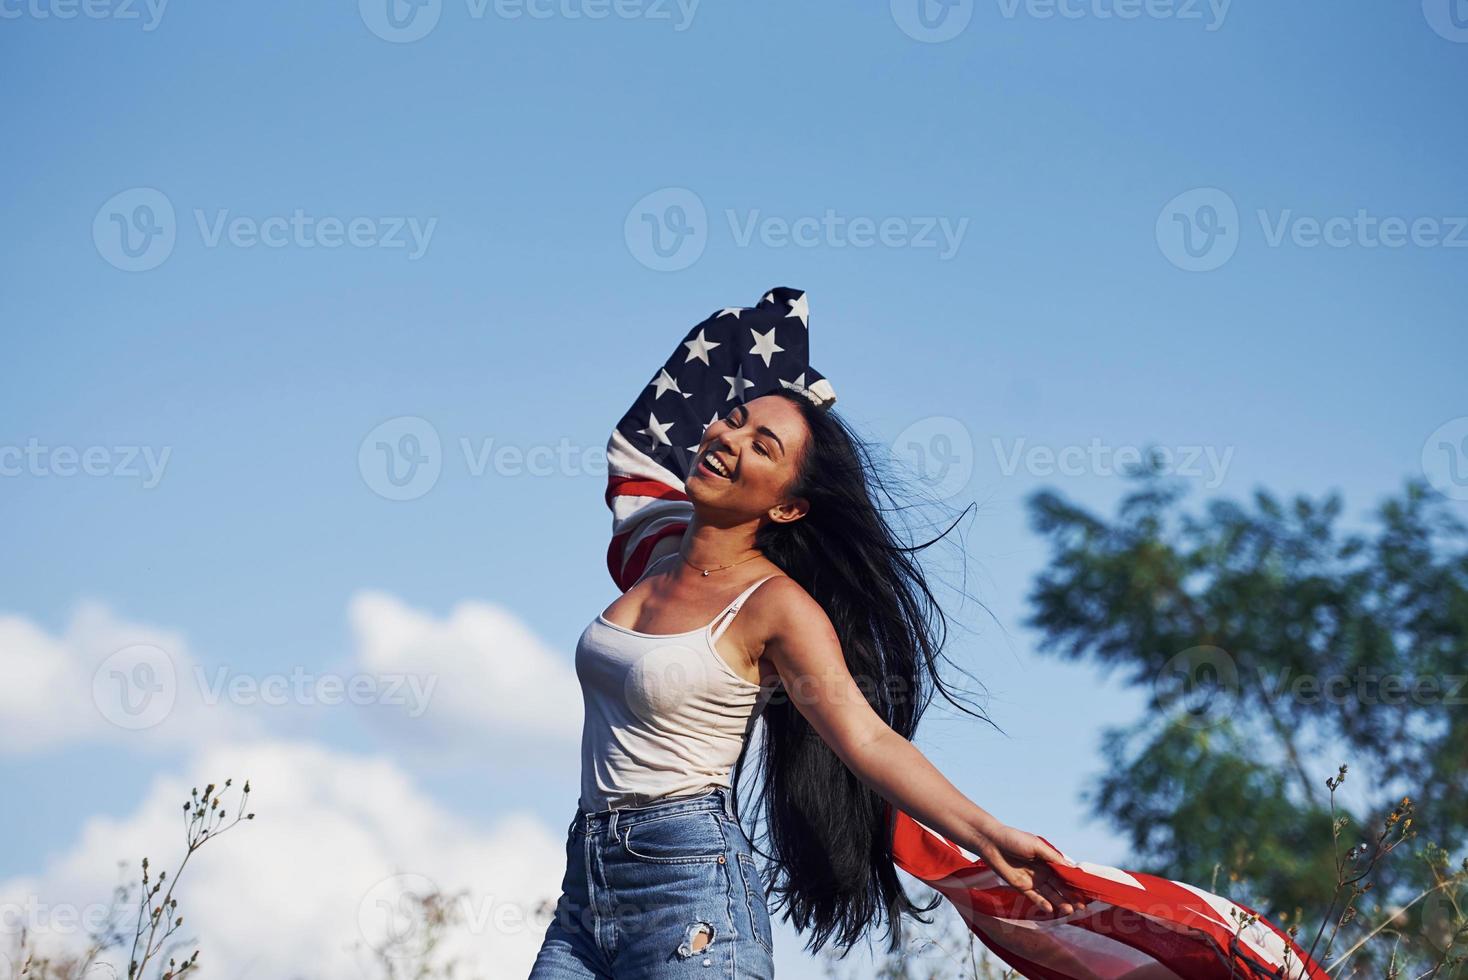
[670, 889]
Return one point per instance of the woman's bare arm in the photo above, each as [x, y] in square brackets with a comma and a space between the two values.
[803, 647]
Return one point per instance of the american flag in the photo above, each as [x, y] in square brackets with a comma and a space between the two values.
[736, 355]
[1136, 926]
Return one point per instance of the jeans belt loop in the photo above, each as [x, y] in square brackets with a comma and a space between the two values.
[612, 825]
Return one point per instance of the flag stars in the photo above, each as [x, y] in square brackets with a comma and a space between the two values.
[799, 307]
[733, 311]
[737, 384]
[656, 432]
[797, 385]
[764, 345]
[664, 382]
[699, 347]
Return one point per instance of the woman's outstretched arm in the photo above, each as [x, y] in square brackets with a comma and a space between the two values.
[735, 354]
[803, 646]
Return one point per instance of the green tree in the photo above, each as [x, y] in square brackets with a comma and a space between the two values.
[1272, 645]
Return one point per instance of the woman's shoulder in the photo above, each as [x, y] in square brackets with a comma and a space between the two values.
[781, 602]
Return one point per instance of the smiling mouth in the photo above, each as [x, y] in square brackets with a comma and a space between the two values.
[705, 466]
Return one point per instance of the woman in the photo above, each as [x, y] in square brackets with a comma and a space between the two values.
[733, 486]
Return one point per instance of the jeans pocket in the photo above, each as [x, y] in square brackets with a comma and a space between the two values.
[754, 894]
[677, 839]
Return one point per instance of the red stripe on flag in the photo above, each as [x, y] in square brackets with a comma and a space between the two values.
[632, 486]
[1177, 928]
[626, 574]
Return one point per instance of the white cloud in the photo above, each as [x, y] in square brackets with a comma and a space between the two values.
[101, 678]
[480, 671]
[300, 890]
[491, 675]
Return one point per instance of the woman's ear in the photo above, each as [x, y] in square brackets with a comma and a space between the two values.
[790, 510]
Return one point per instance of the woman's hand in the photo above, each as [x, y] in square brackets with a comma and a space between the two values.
[1019, 858]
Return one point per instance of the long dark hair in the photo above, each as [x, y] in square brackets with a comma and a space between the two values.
[826, 835]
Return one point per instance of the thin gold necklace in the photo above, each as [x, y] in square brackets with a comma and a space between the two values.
[730, 565]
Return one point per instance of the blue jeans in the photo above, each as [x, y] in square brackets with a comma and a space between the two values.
[670, 889]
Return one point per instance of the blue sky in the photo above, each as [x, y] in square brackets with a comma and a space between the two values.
[1235, 229]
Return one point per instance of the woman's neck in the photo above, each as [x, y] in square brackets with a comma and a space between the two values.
[711, 546]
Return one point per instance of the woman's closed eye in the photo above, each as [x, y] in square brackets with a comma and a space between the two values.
[733, 424]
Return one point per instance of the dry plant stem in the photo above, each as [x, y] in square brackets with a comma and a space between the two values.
[201, 824]
[1384, 923]
[1400, 814]
[1336, 823]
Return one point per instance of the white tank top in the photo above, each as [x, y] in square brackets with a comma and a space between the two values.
[665, 713]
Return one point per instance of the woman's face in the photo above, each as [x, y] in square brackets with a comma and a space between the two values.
[759, 444]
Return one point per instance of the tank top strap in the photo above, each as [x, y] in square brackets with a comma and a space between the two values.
[732, 609]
